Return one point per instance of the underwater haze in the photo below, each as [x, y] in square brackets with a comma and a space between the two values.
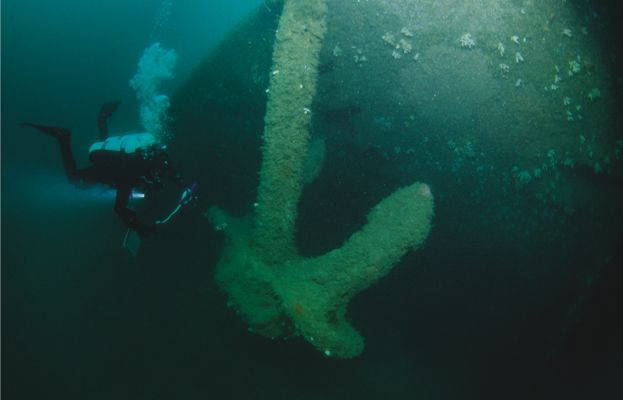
[406, 199]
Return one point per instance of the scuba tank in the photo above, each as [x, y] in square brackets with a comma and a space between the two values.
[126, 144]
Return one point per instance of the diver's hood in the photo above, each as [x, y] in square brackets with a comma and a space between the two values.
[128, 144]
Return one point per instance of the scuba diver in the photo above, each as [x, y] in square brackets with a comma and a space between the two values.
[134, 161]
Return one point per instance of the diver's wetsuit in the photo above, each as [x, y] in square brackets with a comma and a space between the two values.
[146, 168]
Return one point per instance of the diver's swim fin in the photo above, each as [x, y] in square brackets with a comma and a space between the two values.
[131, 242]
[58, 133]
[106, 112]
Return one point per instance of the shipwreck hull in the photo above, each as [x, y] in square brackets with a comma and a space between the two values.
[517, 134]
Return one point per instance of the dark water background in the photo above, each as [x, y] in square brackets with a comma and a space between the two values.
[80, 319]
